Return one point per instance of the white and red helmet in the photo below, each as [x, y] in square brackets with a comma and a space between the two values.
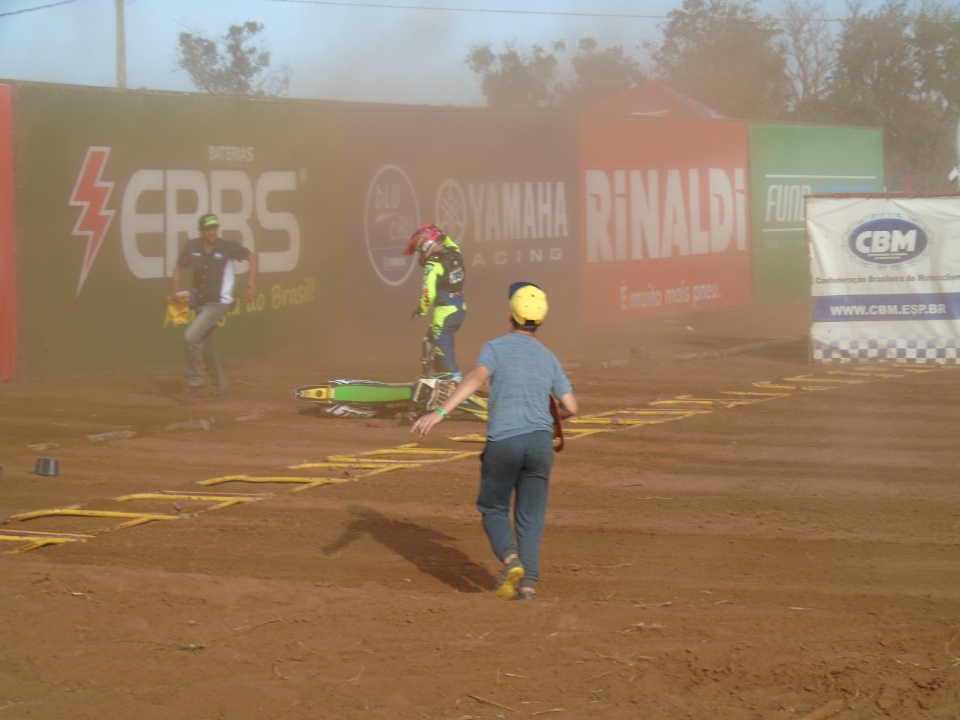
[427, 241]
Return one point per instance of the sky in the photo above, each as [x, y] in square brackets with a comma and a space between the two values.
[390, 51]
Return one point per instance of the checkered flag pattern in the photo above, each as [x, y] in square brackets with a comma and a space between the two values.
[940, 351]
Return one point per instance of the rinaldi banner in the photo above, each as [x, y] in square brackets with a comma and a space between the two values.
[665, 226]
[885, 278]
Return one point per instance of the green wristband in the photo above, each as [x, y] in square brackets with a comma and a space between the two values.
[442, 413]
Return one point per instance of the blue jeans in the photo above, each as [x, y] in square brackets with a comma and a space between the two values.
[201, 342]
[516, 465]
[447, 319]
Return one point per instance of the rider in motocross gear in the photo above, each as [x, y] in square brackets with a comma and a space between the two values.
[443, 277]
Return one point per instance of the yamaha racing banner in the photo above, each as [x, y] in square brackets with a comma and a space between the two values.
[885, 278]
[503, 186]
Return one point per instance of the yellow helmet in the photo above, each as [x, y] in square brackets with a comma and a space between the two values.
[528, 303]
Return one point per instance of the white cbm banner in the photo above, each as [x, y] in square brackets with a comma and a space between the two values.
[885, 278]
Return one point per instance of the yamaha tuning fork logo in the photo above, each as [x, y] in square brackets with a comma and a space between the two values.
[888, 240]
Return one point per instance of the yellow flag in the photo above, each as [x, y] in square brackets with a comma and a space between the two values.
[178, 308]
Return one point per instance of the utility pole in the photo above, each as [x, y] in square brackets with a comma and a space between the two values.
[121, 48]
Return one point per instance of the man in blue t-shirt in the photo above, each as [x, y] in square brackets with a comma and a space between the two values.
[213, 260]
[516, 461]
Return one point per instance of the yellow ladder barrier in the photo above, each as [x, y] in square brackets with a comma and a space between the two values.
[303, 483]
[374, 462]
[220, 500]
[630, 417]
[31, 540]
[131, 519]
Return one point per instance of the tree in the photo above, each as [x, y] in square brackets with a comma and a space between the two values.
[236, 68]
[598, 74]
[514, 80]
[899, 70]
[873, 74]
[809, 48]
[722, 53]
[936, 59]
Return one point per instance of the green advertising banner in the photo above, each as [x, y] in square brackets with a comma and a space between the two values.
[787, 163]
[110, 187]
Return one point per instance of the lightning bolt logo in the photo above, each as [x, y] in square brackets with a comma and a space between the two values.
[91, 193]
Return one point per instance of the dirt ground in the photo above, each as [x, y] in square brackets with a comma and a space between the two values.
[747, 536]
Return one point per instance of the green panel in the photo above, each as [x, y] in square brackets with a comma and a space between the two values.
[372, 393]
[110, 184]
[788, 162]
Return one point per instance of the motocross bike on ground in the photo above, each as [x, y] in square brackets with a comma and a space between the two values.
[359, 398]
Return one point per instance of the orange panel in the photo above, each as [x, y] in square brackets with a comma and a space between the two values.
[665, 222]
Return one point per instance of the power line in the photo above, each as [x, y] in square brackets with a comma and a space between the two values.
[40, 7]
[553, 13]
[475, 10]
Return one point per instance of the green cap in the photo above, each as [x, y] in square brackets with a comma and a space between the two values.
[209, 220]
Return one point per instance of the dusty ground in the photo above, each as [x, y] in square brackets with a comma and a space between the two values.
[789, 555]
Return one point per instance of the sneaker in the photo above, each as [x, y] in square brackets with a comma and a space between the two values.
[509, 580]
[191, 391]
[526, 594]
[217, 395]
